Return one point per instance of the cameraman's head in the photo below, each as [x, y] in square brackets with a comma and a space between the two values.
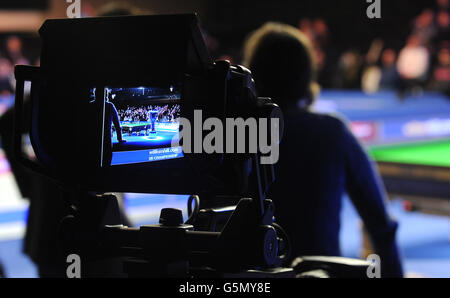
[281, 60]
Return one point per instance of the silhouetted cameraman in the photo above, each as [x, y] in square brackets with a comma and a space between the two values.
[320, 159]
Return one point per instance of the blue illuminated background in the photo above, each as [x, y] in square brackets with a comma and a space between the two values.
[424, 239]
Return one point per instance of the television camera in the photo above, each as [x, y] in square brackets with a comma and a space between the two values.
[106, 109]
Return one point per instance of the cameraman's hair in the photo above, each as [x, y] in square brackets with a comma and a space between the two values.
[281, 60]
[118, 8]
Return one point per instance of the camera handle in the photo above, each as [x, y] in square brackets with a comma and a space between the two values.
[264, 176]
[25, 73]
[171, 248]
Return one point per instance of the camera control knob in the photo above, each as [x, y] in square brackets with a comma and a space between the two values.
[171, 217]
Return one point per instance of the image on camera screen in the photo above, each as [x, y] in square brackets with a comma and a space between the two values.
[140, 124]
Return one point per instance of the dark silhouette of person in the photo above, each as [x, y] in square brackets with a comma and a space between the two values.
[320, 159]
[46, 208]
[47, 205]
[111, 118]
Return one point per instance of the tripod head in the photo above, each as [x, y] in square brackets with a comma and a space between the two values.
[235, 241]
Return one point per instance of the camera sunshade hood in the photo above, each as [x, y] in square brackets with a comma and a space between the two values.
[154, 47]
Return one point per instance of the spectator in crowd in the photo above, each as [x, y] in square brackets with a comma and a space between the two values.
[443, 26]
[371, 73]
[413, 65]
[320, 28]
[14, 51]
[326, 157]
[389, 74]
[318, 33]
[348, 73]
[306, 28]
[424, 27]
[6, 72]
[440, 77]
[442, 5]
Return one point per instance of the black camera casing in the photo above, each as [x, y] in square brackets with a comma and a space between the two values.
[81, 54]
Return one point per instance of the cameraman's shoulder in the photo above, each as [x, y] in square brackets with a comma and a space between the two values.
[110, 105]
[333, 120]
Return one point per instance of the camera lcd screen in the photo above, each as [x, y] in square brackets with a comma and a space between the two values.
[140, 124]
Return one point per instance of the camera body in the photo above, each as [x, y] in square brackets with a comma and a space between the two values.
[106, 109]
[86, 64]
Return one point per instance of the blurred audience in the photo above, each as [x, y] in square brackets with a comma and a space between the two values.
[413, 64]
[419, 64]
[408, 71]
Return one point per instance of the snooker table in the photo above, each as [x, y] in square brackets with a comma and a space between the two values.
[136, 127]
[418, 172]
